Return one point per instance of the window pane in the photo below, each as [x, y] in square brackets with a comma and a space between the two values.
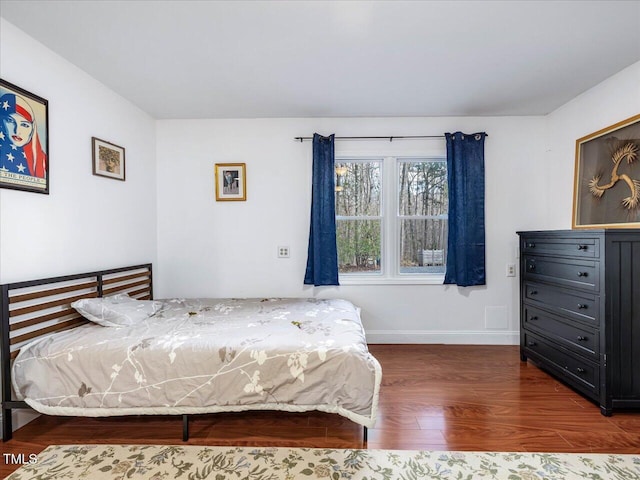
[422, 188]
[423, 245]
[357, 188]
[359, 246]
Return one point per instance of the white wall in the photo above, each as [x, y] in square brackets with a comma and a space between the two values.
[209, 248]
[614, 100]
[86, 222]
[226, 248]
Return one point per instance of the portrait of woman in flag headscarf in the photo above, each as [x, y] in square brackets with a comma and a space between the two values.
[20, 149]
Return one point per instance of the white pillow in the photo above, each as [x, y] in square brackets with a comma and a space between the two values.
[116, 311]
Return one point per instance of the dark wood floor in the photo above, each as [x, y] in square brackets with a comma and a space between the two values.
[435, 397]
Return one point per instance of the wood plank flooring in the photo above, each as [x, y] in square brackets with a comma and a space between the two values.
[434, 397]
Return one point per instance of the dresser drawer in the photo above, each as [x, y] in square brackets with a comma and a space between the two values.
[577, 337]
[580, 371]
[577, 305]
[572, 247]
[583, 274]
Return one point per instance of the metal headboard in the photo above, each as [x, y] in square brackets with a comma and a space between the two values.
[38, 308]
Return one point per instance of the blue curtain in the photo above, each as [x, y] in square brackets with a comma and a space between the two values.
[466, 247]
[322, 256]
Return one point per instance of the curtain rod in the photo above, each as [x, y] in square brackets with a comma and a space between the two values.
[390, 138]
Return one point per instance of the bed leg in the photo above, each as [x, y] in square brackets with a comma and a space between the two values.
[365, 436]
[7, 425]
[185, 428]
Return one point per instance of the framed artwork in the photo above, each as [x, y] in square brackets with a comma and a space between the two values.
[24, 140]
[231, 182]
[108, 159]
[607, 177]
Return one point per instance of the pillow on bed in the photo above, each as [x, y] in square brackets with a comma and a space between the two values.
[116, 311]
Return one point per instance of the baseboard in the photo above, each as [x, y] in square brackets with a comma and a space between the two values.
[447, 337]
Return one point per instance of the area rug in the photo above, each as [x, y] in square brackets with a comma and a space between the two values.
[164, 462]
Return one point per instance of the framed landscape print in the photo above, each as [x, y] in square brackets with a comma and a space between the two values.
[108, 159]
[607, 177]
[24, 140]
[231, 182]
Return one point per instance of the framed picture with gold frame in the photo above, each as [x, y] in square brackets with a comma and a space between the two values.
[231, 182]
[607, 177]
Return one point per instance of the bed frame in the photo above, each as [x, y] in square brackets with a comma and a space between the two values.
[37, 308]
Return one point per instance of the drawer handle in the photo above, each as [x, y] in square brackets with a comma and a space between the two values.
[582, 306]
[580, 370]
[534, 318]
[531, 267]
[581, 338]
[583, 247]
[583, 274]
[531, 245]
[531, 344]
[533, 292]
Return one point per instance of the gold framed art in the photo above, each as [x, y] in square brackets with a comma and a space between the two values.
[231, 182]
[607, 177]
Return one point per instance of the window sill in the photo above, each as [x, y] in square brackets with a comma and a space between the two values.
[380, 280]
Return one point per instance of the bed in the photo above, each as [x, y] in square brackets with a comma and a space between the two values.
[180, 356]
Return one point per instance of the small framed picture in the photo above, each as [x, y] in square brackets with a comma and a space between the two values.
[24, 140]
[231, 182]
[108, 159]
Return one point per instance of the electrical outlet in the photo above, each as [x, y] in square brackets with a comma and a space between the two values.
[511, 269]
[283, 252]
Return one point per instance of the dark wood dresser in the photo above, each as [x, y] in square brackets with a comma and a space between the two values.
[580, 311]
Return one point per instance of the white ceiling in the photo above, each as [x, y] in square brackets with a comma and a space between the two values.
[224, 59]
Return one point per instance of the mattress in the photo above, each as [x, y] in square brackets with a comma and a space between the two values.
[205, 356]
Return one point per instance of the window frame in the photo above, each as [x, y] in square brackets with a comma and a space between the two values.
[390, 225]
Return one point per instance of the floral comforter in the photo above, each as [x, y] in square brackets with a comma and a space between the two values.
[208, 355]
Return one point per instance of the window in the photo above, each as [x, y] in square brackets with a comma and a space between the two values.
[359, 216]
[391, 219]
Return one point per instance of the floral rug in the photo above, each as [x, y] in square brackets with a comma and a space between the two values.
[164, 462]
